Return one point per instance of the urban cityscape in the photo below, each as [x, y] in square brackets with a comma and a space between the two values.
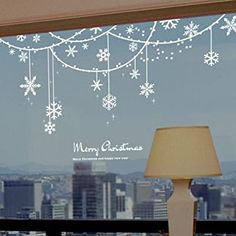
[92, 192]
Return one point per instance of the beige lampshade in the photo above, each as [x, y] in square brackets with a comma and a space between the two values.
[182, 153]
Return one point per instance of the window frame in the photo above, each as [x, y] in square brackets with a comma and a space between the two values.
[30, 16]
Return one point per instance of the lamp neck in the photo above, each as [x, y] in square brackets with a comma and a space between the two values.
[181, 186]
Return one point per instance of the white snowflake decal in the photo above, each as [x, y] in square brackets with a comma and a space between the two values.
[12, 51]
[134, 74]
[211, 58]
[96, 85]
[109, 102]
[85, 46]
[169, 24]
[30, 86]
[20, 38]
[71, 51]
[130, 29]
[230, 25]
[49, 127]
[23, 57]
[103, 54]
[96, 30]
[54, 110]
[36, 38]
[133, 46]
[191, 29]
[146, 89]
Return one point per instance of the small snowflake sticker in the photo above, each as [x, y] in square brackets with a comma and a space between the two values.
[191, 29]
[130, 29]
[146, 89]
[211, 58]
[134, 74]
[96, 85]
[71, 51]
[49, 127]
[30, 86]
[23, 57]
[20, 38]
[169, 24]
[11, 51]
[230, 25]
[109, 102]
[103, 55]
[36, 38]
[96, 30]
[133, 46]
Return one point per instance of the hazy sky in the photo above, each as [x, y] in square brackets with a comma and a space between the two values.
[187, 92]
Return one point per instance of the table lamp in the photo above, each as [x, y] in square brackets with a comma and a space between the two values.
[182, 153]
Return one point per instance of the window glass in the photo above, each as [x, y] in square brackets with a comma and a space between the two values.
[79, 110]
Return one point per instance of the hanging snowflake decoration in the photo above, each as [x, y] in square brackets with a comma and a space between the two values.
[146, 89]
[30, 86]
[169, 24]
[23, 57]
[134, 74]
[230, 25]
[96, 85]
[133, 46]
[103, 55]
[191, 29]
[20, 38]
[54, 110]
[49, 127]
[211, 58]
[71, 51]
[109, 102]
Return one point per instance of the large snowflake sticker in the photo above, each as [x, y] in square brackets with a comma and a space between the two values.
[211, 58]
[30, 86]
[109, 102]
[54, 110]
[191, 29]
[146, 89]
[230, 25]
[49, 127]
[169, 24]
[103, 55]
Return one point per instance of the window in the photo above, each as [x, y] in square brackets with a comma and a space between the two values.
[80, 108]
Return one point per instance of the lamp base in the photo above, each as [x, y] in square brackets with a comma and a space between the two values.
[181, 209]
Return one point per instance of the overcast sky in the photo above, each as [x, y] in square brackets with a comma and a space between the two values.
[187, 92]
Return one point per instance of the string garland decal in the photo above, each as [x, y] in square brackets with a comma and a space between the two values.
[145, 43]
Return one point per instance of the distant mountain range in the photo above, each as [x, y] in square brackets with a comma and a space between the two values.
[127, 167]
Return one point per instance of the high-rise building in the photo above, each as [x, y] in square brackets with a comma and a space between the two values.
[142, 191]
[53, 210]
[151, 209]
[19, 194]
[94, 191]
